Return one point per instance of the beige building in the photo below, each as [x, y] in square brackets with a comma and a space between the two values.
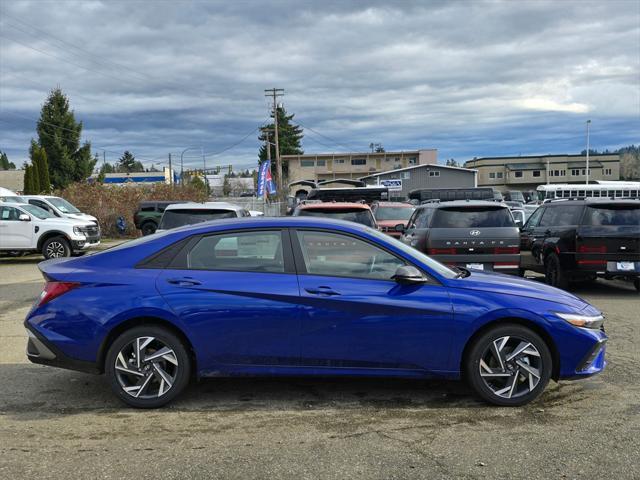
[526, 173]
[329, 166]
[12, 180]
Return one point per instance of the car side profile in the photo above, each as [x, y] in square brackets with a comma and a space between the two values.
[189, 213]
[303, 296]
[149, 213]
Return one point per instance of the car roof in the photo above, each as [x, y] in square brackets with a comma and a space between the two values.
[395, 204]
[463, 203]
[204, 206]
[334, 205]
[592, 201]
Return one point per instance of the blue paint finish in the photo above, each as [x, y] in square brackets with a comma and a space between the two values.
[243, 323]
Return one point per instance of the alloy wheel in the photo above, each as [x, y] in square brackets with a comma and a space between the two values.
[146, 368]
[511, 367]
[55, 250]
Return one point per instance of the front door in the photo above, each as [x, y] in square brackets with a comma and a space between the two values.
[355, 316]
[14, 233]
[530, 241]
[237, 293]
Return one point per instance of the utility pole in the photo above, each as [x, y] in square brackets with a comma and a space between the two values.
[170, 172]
[275, 93]
[587, 169]
[204, 162]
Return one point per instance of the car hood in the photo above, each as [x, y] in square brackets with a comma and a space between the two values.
[68, 222]
[81, 216]
[512, 285]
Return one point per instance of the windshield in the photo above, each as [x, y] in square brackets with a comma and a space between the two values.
[15, 199]
[393, 213]
[62, 205]
[363, 217]
[619, 215]
[179, 218]
[472, 217]
[411, 252]
[37, 211]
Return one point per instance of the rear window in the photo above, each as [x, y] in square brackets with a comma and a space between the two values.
[472, 217]
[179, 218]
[619, 215]
[393, 213]
[361, 216]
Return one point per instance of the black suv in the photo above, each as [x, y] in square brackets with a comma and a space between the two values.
[148, 215]
[474, 234]
[574, 239]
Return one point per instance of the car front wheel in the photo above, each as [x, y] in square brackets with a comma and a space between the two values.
[509, 365]
[56, 247]
[554, 274]
[147, 366]
[148, 228]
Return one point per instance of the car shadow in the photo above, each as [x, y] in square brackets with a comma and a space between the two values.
[599, 287]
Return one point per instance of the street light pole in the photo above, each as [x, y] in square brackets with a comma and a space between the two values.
[182, 163]
[587, 169]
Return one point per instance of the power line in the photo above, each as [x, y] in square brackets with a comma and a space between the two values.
[328, 138]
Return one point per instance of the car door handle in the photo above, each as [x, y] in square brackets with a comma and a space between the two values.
[322, 291]
[183, 282]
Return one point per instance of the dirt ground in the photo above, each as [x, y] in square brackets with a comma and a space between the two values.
[62, 424]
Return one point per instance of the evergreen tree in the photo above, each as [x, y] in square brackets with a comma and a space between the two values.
[107, 168]
[289, 138]
[35, 178]
[59, 134]
[38, 157]
[29, 187]
[128, 163]
[5, 164]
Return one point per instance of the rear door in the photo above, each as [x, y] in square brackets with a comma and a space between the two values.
[237, 292]
[530, 244]
[355, 316]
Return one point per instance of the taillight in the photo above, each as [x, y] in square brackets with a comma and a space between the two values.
[592, 262]
[506, 250]
[441, 251]
[55, 289]
[592, 249]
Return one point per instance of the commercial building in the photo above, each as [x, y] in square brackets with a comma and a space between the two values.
[401, 181]
[526, 173]
[136, 178]
[330, 166]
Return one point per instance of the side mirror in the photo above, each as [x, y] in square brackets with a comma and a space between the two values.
[24, 217]
[400, 227]
[408, 275]
[519, 224]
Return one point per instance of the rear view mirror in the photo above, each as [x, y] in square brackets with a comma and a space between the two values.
[400, 227]
[24, 217]
[409, 275]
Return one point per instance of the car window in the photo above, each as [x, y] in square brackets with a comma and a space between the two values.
[336, 255]
[424, 218]
[561, 215]
[190, 216]
[362, 216]
[62, 205]
[9, 213]
[393, 213]
[41, 204]
[245, 252]
[472, 217]
[38, 212]
[148, 208]
[620, 215]
[534, 218]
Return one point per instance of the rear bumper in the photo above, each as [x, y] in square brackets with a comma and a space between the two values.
[509, 264]
[43, 352]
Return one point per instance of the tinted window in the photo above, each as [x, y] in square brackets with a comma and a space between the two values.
[148, 208]
[423, 217]
[337, 255]
[472, 217]
[534, 218]
[561, 215]
[359, 216]
[246, 252]
[613, 215]
[41, 204]
[179, 218]
[393, 213]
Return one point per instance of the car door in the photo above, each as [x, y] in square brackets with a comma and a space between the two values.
[356, 317]
[15, 233]
[237, 293]
[528, 240]
[557, 228]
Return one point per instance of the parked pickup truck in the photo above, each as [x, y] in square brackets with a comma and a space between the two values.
[25, 228]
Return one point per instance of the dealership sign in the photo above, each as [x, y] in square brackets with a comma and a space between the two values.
[392, 185]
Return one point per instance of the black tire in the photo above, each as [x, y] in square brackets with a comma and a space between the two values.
[148, 228]
[180, 376]
[553, 272]
[517, 333]
[636, 283]
[521, 272]
[56, 247]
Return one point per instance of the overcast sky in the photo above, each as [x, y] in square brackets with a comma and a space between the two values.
[468, 78]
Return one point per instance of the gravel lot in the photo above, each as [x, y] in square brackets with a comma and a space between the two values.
[63, 424]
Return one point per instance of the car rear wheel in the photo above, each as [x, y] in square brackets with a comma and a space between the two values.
[509, 365]
[148, 228]
[553, 272]
[56, 247]
[147, 366]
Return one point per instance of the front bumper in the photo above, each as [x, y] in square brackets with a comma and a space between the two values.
[43, 352]
[86, 243]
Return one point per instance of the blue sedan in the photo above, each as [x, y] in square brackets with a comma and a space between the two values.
[303, 296]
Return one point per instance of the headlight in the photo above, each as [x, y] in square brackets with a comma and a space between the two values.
[78, 231]
[584, 321]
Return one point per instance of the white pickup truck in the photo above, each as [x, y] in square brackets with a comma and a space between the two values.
[27, 228]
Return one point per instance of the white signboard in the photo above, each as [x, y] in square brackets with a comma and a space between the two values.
[392, 185]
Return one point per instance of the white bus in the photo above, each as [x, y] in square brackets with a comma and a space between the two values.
[607, 189]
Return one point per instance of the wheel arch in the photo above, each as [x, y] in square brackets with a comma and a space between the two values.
[144, 320]
[546, 337]
[50, 234]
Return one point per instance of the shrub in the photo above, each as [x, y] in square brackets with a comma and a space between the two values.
[108, 202]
